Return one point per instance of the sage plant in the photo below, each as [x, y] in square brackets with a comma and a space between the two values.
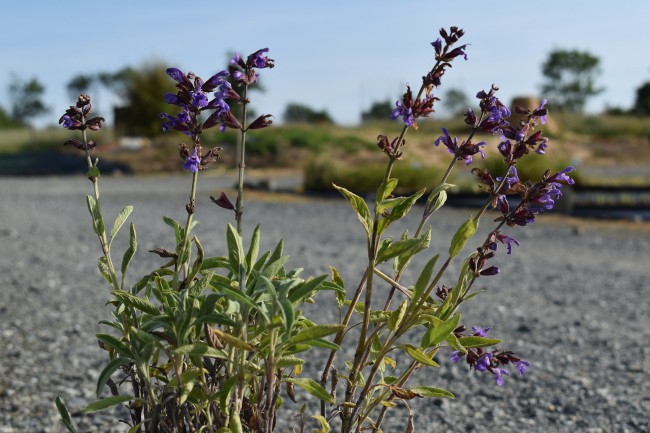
[212, 344]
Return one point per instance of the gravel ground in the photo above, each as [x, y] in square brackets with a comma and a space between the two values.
[575, 302]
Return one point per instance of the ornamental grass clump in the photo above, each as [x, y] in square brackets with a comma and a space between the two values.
[217, 343]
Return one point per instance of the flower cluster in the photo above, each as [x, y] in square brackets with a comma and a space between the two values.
[409, 109]
[491, 362]
[534, 198]
[192, 98]
[77, 117]
[197, 160]
[243, 71]
[464, 151]
[444, 55]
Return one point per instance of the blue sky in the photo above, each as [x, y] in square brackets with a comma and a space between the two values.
[335, 55]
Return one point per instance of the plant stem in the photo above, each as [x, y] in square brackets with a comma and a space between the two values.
[242, 164]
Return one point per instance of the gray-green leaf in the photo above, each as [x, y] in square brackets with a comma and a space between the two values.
[463, 234]
[312, 387]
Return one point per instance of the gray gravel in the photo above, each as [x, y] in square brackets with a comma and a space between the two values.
[573, 302]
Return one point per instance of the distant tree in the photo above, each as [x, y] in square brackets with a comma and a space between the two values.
[6, 121]
[142, 91]
[26, 99]
[81, 83]
[298, 113]
[455, 101]
[116, 82]
[642, 101]
[378, 111]
[570, 79]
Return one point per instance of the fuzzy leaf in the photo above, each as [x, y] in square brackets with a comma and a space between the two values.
[423, 279]
[403, 259]
[397, 248]
[106, 373]
[452, 340]
[437, 197]
[429, 391]
[236, 255]
[104, 269]
[136, 302]
[107, 402]
[477, 341]
[120, 220]
[463, 234]
[418, 355]
[396, 316]
[254, 249]
[65, 415]
[439, 332]
[130, 251]
[359, 206]
[201, 349]
[314, 332]
[312, 387]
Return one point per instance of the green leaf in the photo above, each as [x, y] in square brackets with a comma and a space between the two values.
[104, 269]
[314, 332]
[306, 289]
[477, 341]
[386, 189]
[313, 387]
[452, 340]
[288, 361]
[65, 415]
[136, 302]
[231, 340]
[403, 259]
[106, 373]
[115, 344]
[178, 230]
[396, 316]
[107, 402]
[130, 251]
[201, 349]
[463, 234]
[96, 214]
[214, 262]
[254, 249]
[397, 248]
[93, 172]
[418, 355]
[437, 198]
[236, 255]
[324, 425]
[405, 206]
[429, 391]
[359, 206]
[120, 220]
[423, 279]
[439, 332]
[289, 316]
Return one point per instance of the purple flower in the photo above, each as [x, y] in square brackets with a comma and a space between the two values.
[483, 362]
[66, 121]
[481, 332]
[406, 113]
[507, 241]
[542, 118]
[456, 356]
[236, 58]
[541, 149]
[259, 60]
[176, 74]
[171, 98]
[498, 373]
[452, 144]
[522, 366]
[561, 176]
[437, 44]
[199, 99]
[192, 162]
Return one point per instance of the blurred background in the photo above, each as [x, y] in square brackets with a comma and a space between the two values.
[340, 67]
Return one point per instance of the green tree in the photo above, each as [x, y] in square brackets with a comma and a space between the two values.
[298, 113]
[642, 101]
[570, 79]
[378, 111]
[6, 121]
[81, 83]
[141, 90]
[455, 101]
[26, 99]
